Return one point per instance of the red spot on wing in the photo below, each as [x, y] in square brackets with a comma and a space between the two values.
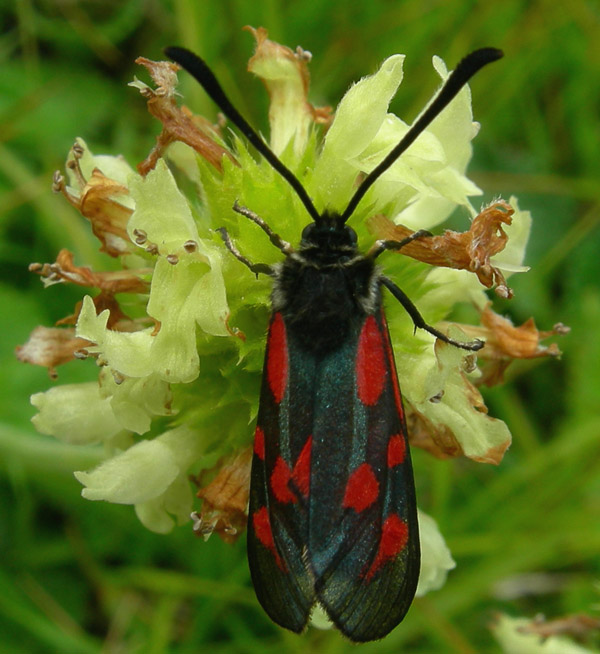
[362, 489]
[392, 364]
[301, 473]
[280, 479]
[394, 536]
[259, 443]
[370, 363]
[396, 451]
[262, 528]
[299, 476]
[277, 358]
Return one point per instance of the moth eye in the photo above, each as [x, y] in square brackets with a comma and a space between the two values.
[307, 231]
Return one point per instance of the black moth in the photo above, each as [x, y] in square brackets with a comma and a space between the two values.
[332, 514]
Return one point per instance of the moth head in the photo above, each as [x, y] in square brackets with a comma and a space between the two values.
[328, 232]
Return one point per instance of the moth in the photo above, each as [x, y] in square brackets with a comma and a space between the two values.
[332, 512]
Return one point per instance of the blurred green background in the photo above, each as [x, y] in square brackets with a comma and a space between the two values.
[84, 577]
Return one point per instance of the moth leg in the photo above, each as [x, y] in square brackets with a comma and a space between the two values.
[382, 246]
[256, 268]
[277, 241]
[419, 321]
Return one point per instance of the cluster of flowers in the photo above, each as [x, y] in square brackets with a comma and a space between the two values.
[178, 332]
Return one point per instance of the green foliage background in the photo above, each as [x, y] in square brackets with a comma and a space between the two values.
[85, 577]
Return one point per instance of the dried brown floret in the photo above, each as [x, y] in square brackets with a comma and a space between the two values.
[470, 250]
[224, 509]
[179, 124]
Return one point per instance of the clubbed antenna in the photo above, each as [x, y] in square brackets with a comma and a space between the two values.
[198, 68]
[458, 78]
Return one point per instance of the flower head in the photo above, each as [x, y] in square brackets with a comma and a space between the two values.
[179, 330]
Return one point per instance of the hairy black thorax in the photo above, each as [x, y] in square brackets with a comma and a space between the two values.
[325, 289]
